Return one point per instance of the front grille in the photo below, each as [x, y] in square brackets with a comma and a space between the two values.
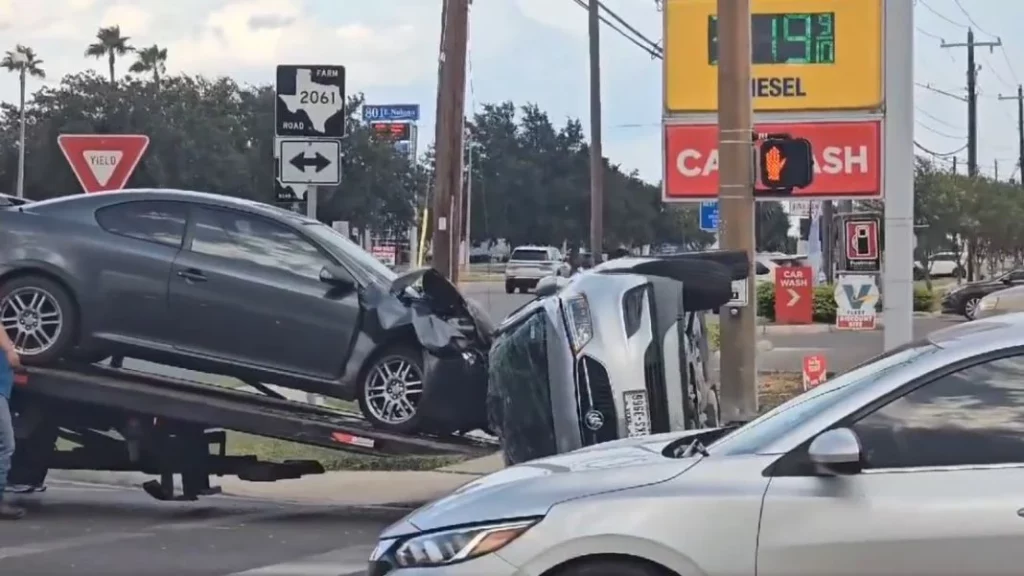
[654, 374]
[594, 397]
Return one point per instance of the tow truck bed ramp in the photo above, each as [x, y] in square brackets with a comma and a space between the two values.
[220, 407]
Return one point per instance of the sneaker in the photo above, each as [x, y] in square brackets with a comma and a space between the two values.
[23, 489]
[10, 512]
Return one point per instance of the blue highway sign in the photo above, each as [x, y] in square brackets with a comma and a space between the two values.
[388, 112]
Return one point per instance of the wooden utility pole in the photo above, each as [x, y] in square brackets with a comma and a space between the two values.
[451, 89]
[736, 202]
[596, 154]
[1020, 128]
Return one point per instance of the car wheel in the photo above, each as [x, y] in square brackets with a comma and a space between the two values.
[510, 287]
[523, 289]
[391, 388]
[971, 307]
[609, 567]
[40, 317]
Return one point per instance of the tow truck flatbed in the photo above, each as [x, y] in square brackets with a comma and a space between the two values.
[167, 425]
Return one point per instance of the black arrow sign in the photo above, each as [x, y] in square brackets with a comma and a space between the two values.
[301, 161]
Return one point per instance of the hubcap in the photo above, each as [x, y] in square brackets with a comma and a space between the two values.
[32, 319]
[971, 307]
[393, 390]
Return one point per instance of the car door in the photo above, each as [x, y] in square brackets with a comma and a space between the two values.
[247, 289]
[129, 285]
[941, 493]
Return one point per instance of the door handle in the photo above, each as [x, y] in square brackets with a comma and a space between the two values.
[192, 274]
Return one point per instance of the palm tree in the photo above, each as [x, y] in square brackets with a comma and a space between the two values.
[24, 61]
[111, 44]
[152, 60]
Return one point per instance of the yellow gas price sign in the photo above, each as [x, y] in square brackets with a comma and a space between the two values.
[807, 55]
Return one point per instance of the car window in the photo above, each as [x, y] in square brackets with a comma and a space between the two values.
[239, 236]
[972, 417]
[150, 220]
[366, 262]
[1016, 276]
[764, 430]
[529, 254]
[943, 257]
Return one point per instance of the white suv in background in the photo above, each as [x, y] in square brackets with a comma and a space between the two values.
[528, 264]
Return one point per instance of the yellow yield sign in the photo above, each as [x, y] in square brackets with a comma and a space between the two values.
[807, 55]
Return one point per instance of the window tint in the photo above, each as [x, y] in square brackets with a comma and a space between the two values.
[162, 222]
[239, 236]
[529, 254]
[943, 257]
[972, 417]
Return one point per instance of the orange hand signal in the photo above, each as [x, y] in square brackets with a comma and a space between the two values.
[773, 164]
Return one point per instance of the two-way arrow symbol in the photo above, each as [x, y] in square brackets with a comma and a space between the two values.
[301, 161]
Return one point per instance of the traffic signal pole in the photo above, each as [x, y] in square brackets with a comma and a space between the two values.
[736, 202]
[898, 174]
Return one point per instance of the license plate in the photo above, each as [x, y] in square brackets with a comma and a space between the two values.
[637, 414]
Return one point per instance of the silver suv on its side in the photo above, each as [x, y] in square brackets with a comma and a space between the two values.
[528, 264]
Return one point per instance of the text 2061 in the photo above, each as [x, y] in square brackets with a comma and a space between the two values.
[314, 97]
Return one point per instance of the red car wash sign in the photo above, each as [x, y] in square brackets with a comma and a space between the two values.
[847, 159]
[103, 162]
[794, 295]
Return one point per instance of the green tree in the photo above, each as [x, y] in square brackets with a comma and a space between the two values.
[151, 60]
[109, 43]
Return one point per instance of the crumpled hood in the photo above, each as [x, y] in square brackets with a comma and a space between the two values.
[531, 489]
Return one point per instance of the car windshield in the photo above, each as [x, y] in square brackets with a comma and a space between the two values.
[366, 262]
[761, 432]
[529, 255]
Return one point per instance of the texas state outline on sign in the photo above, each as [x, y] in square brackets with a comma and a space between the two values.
[103, 162]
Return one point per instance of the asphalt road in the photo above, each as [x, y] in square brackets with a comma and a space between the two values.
[99, 531]
[842, 350]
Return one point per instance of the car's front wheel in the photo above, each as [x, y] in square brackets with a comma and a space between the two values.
[391, 389]
[39, 317]
[971, 307]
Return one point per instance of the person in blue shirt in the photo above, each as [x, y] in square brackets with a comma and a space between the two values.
[8, 362]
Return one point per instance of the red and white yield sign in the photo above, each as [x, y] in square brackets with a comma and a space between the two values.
[862, 240]
[103, 162]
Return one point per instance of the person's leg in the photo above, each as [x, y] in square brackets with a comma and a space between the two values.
[7, 512]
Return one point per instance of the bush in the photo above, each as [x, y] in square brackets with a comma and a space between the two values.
[825, 302]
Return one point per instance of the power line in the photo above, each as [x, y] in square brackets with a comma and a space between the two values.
[941, 15]
[937, 119]
[640, 41]
[938, 132]
[971, 20]
[940, 154]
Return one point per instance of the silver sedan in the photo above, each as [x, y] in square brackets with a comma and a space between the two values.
[910, 464]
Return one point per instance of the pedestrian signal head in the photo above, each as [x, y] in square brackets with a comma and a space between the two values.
[785, 163]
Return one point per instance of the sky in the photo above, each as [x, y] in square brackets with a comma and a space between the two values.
[520, 50]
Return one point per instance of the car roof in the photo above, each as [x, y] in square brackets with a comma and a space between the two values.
[980, 336]
[170, 194]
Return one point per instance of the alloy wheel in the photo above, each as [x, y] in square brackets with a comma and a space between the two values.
[393, 390]
[971, 308]
[33, 320]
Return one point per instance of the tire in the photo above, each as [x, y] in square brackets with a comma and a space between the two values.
[56, 317]
[510, 287]
[372, 410]
[712, 416]
[612, 567]
[523, 289]
[970, 310]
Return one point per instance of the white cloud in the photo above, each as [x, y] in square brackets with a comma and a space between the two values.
[264, 33]
[133, 20]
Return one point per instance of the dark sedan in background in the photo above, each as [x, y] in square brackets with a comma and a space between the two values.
[964, 299]
[227, 286]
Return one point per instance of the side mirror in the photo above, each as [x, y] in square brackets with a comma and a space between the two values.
[336, 276]
[547, 286]
[1008, 279]
[836, 452]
